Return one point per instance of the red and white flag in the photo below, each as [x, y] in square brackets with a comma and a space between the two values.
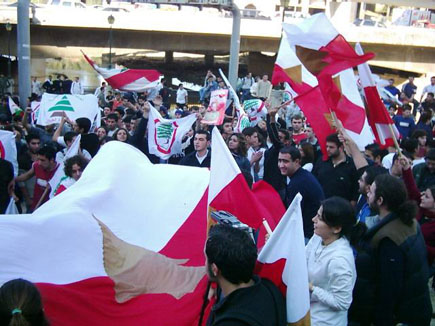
[379, 119]
[283, 261]
[304, 86]
[129, 80]
[103, 257]
[228, 191]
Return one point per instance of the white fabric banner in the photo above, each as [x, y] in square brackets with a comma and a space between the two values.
[165, 135]
[54, 106]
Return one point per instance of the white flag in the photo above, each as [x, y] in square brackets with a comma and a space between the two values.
[287, 242]
[8, 149]
[165, 135]
[54, 106]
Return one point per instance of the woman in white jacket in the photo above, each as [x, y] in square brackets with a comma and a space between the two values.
[331, 264]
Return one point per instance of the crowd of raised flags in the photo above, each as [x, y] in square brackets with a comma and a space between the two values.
[154, 217]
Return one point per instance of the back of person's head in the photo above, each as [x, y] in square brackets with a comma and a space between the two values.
[410, 145]
[84, 123]
[372, 147]
[395, 197]
[20, 304]
[430, 155]
[48, 151]
[233, 251]
[381, 153]
[372, 172]
[294, 153]
[69, 136]
[286, 133]
[308, 151]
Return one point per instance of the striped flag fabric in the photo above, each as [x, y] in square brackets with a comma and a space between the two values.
[283, 260]
[382, 125]
[129, 80]
[103, 257]
[13, 108]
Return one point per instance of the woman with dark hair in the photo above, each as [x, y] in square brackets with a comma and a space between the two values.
[20, 304]
[424, 123]
[237, 146]
[331, 264]
[421, 137]
[307, 154]
[122, 135]
[101, 133]
[393, 274]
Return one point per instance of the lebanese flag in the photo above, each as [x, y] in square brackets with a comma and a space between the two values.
[129, 80]
[103, 257]
[379, 119]
[321, 48]
[283, 261]
[228, 191]
[304, 87]
[8, 149]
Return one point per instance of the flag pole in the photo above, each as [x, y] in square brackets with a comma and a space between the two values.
[267, 227]
[47, 189]
[396, 143]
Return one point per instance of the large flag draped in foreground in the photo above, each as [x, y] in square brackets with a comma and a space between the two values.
[8, 149]
[54, 106]
[286, 247]
[165, 135]
[129, 80]
[119, 247]
[382, 125]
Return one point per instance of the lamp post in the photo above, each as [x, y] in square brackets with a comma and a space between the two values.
[9, 29]
[111, 20]
[284, 5]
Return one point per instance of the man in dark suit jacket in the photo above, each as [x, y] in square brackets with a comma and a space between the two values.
[201, 156]
[300, 181]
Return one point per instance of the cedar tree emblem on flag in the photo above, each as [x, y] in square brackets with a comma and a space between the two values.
[164, 135]
[61, 106]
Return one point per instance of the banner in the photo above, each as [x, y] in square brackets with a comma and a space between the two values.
[165, 135]
[215, 113]
[54, 106]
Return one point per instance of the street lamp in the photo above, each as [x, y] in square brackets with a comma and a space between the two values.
[111, 20]
[9, 29]
[284, 5]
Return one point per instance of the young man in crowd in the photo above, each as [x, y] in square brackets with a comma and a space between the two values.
[201, 157]
[243, 298]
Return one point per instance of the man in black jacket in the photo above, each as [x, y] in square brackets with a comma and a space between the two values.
[246, 299]
[201, 157]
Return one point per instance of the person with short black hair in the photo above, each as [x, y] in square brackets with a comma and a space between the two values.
[245, 299]
[337, 175]
[392, 269]
[424, 173]
[44, 169]
[21, 304]
[300, 181]
[201, 157]
[111, 124]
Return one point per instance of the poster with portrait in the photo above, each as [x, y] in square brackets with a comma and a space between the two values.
[215, 113]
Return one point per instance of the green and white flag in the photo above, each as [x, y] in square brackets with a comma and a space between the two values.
[15, 109]
[165, 135]
[54, 106]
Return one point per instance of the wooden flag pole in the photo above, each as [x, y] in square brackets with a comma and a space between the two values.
[396, 143]
[46, 191]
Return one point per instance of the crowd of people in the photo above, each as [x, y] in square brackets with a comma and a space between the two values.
[367, 215]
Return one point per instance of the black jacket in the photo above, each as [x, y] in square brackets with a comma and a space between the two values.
[191, 160]
[258, 305]
[392, 269]
[272, 174]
